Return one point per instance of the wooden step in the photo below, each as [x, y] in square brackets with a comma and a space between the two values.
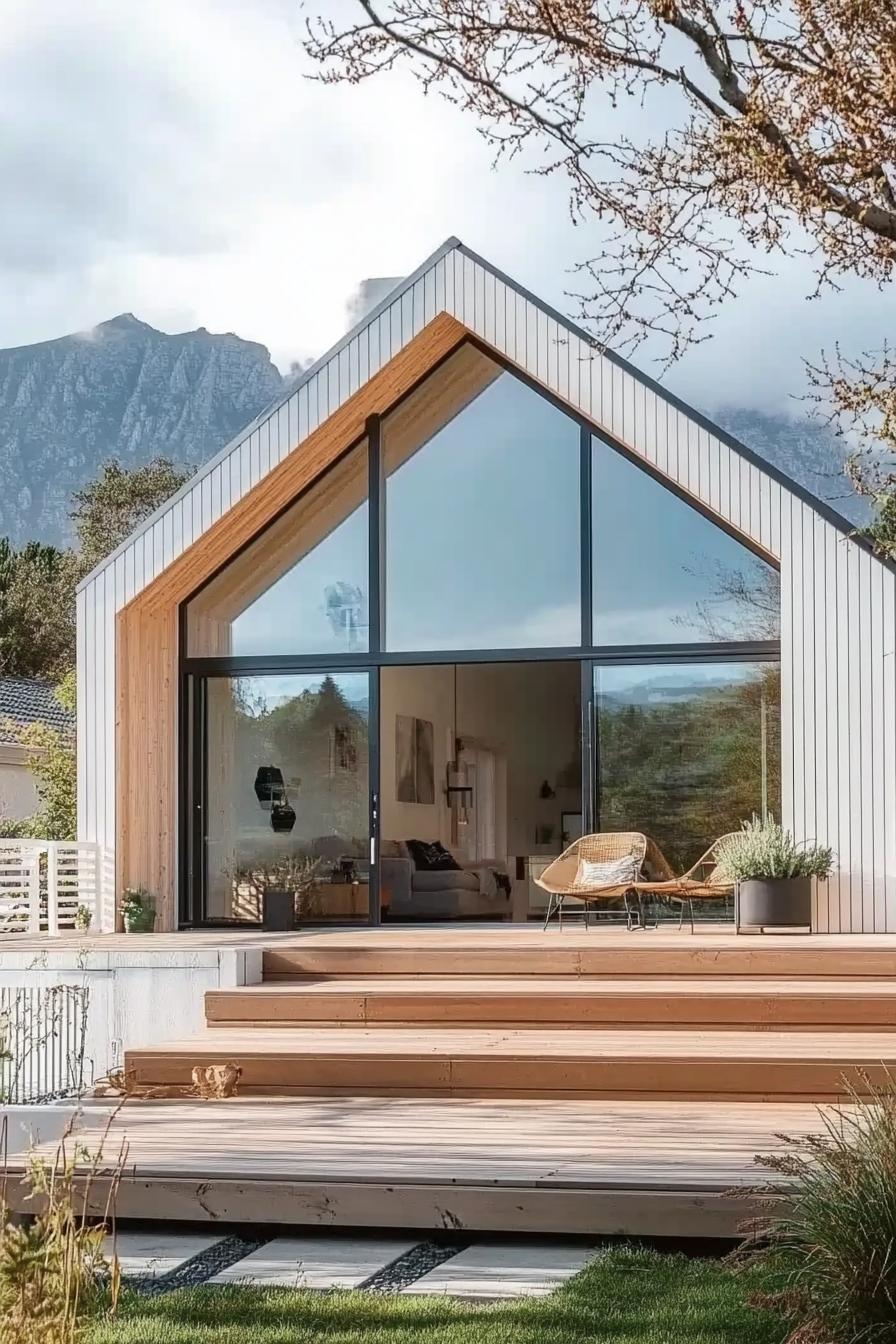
[640, 955]
[612, 1167]
[568, 1002]
[590, 1063]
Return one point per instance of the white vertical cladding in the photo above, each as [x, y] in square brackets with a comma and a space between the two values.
[85, 769]
[95, 614]
[887, 739]
[838, 605]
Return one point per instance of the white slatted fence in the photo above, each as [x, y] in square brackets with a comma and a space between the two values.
[44, 883]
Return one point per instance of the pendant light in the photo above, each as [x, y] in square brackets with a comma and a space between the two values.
[458, 789]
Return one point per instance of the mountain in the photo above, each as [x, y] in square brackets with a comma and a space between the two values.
[121, 390]
[128, 391]
[807, 451]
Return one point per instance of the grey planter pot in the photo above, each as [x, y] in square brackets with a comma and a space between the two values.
[776, 903]
[279, 909]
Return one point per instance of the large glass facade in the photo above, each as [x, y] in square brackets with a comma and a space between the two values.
[299, 588]
[481, 514]
[355, 633]
[663, 572]
[687, 751]
[286, 795]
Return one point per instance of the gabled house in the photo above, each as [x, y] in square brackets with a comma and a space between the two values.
[476, 583]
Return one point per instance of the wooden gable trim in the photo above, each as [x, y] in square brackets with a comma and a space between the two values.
[147, 634]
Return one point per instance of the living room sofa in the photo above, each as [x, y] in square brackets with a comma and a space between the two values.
[469, 892]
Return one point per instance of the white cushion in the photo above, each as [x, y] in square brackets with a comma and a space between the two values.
[610, 873]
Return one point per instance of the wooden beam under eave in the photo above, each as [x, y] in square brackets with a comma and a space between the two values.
[147, 628]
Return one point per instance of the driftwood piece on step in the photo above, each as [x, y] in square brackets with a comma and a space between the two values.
[211, 1082]
[215, 1081]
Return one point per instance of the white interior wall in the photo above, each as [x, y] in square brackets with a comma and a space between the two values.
[528, 713]
[422, 693]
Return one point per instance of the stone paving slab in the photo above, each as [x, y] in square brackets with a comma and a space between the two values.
[491, 1271]
[315, 1262]
[151, 1254]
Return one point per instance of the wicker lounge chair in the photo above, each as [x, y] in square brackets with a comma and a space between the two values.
[702, 882]
[559, 878]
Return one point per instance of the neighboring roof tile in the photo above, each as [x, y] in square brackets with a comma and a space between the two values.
[25, 700]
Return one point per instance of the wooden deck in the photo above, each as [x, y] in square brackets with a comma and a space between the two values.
[659, 1169]
[505, 1079]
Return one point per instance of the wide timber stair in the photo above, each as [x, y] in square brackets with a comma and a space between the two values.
[617, 1019]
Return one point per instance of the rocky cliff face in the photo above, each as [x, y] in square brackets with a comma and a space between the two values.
[128, 391]
[122, 390]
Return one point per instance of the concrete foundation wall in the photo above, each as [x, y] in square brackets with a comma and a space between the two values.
[138, 997]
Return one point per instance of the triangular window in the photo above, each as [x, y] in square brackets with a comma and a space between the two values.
[664, 573]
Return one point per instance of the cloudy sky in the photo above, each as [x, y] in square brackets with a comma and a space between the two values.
[173, 160]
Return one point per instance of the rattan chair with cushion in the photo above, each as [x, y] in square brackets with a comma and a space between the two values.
[596, 868]
[702, 882]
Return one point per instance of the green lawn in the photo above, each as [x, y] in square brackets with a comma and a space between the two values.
[626, 1297]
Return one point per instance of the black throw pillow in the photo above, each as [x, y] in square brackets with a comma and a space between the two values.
[432, 858]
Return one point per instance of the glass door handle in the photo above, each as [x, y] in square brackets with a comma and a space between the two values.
[374, 820]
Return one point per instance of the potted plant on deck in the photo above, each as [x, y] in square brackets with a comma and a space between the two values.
[773, 874]
[138, 910]
[283, 886]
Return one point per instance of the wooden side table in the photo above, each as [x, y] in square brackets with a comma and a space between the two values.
[346, 900]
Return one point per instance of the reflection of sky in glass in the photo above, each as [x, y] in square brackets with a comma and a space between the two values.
[483, 550]
[482, 529]
[663, 573]
[292, 616]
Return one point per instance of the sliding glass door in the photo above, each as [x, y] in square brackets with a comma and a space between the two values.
[284, 803]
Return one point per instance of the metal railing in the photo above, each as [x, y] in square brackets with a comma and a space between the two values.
[44, 883]
[43, 1032]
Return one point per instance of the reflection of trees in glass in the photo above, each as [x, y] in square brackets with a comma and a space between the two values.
[744, 601]
[320, 742]
[691, 766]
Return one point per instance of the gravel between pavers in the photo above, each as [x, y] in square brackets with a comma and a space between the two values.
[410, 1267]
[197, 1270]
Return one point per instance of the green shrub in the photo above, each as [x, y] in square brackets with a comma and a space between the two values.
[762, 849]
[836, 1239]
